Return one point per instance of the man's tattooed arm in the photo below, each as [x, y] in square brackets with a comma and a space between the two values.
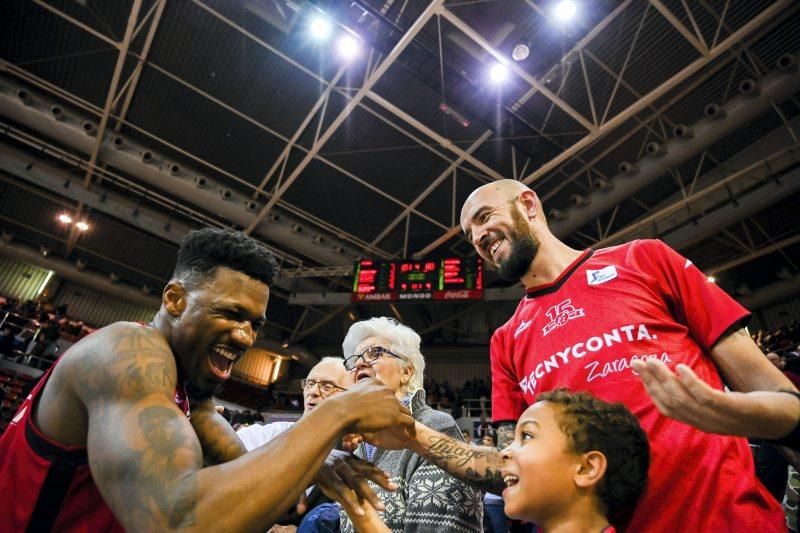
[217, 438]
[143, 453]
[477, 465]
[147, 461]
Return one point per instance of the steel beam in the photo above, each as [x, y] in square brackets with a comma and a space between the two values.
[137, 71]
[678, 25]
[112, 89]
[360, 95]
[516, 69]
[638, 106]
[322, 100]
[755, 254]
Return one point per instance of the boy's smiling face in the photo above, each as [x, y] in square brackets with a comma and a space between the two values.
[539, 467]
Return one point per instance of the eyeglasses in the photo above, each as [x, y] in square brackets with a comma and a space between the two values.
[368, 356]
[325, 387]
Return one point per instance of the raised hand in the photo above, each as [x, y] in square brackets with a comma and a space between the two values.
[687, 398]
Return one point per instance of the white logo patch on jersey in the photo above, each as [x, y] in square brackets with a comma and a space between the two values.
[596, 277]
[522, 327]
[19, 416]
[560, 314]
[687, 264]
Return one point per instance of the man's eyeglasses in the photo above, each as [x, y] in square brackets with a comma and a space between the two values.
[368, 356]
[325, 387]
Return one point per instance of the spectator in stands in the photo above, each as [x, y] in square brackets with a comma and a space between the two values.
[327, 378]
[575, 461]
[467, 434]
[383, 348]
[7, 341]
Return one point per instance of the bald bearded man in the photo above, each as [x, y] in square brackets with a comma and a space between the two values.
[589, 316]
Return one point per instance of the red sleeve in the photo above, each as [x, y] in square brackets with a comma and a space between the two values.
[508, 402]
[701, 305]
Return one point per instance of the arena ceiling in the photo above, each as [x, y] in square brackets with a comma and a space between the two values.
[150, 117]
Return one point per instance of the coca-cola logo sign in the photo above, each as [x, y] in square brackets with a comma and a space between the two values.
[459, 294]
[456, 295]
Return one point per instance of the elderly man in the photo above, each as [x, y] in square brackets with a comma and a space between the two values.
[427, 498]
[326, 379]
[587, 320]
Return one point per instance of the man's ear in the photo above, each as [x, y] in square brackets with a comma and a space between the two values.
[530, 203]
[591, 469]
[174, 298]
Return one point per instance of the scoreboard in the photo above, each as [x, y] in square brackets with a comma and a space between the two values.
[452, 278]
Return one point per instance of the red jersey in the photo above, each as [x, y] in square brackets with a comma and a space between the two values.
[613, 306]
[46, 486]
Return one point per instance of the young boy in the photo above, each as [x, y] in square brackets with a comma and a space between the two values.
[575, 462]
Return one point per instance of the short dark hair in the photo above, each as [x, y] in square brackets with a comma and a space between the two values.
[202, 251]
[591, 424]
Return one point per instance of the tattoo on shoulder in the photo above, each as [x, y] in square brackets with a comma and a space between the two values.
[138, 363]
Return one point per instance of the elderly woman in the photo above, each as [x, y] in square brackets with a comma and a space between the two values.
[427, 499]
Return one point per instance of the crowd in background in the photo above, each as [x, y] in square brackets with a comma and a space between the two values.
[33, 328]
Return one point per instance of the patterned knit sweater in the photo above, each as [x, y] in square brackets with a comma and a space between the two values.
[427, 499]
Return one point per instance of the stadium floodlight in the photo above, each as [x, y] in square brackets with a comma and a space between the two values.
[348, 47]
[320, 28]
[565, 10]
[498, 73]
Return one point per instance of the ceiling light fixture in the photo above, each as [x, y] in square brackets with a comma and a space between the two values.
[565, 10]
[320, 28]
[65, 218]
[498, 73]
[521, 52]
[82, 225]
[348, 47]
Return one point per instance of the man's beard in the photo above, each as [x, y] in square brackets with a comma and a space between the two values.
[524, 247]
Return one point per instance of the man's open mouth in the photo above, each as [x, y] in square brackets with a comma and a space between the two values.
[222, 359]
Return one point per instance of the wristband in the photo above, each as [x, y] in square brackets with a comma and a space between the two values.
[792, 439]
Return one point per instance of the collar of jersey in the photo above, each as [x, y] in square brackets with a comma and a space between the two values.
[553, 286]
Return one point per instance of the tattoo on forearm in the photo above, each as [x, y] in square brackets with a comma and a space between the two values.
[453, 451]
[466, 462]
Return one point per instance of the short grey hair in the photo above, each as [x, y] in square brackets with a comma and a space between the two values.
[403, 341]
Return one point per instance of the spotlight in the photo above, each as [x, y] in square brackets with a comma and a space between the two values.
[65, 218]
[320, 28]
[348, 47]
[712, 279]
[521, 52]
[565, 10]
[82, 225]
[285, 344]
[44, 250]
[498, 73]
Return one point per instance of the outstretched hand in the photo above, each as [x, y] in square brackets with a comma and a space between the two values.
[685, 397]
[343, 478]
